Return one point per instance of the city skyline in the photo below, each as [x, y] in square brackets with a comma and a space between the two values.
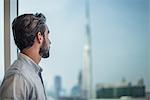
[76, 90]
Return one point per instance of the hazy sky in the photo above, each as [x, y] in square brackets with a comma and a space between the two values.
[119, 30]
[120, 40]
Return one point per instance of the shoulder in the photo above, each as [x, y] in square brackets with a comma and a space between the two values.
[15, 78]
[14, 86]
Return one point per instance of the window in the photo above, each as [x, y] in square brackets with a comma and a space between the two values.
[119, 44]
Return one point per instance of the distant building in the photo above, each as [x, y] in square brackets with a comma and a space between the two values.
[57, 85]
[80, 79]
[76, 91]
[87, 62]
[140, 82]
[118, 91]
[148, 95]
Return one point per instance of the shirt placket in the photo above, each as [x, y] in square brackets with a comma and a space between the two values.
[40, 75]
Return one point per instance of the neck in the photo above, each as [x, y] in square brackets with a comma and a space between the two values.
[33, 54]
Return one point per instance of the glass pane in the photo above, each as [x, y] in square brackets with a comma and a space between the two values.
[1, 40]
[119, 46]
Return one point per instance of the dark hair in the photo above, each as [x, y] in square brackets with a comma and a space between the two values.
[25, 28]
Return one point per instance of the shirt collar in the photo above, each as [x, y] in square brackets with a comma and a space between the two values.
[35, 66]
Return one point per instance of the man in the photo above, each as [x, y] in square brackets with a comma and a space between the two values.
[23, 80]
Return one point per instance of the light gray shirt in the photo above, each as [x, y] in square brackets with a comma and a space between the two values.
[22, 81]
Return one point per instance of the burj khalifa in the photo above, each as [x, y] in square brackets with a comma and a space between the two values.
[87, 56]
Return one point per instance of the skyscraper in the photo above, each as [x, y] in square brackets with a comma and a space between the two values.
[76, 90]
[87, 68]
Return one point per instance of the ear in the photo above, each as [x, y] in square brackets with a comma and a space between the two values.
[39, 37]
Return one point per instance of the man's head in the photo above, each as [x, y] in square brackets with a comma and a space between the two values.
[30, 29]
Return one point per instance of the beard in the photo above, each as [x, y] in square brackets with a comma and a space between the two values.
[44, 50]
